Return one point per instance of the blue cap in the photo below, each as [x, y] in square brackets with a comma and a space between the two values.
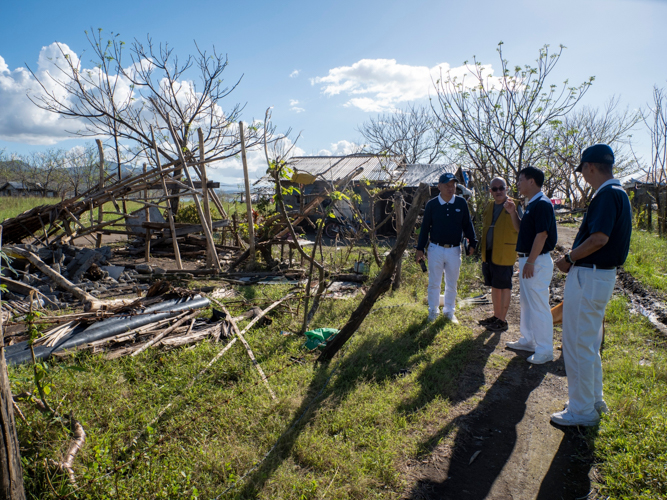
[599, 153]
[445, 178]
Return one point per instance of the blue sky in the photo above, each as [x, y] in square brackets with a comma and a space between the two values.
[620, 42]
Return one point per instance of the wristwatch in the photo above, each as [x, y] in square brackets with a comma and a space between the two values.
[569, 259]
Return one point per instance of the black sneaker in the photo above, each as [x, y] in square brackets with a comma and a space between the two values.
[498, 326]
[487, 321]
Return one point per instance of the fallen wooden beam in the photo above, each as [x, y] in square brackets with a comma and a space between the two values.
[243, 340]
[165, 333]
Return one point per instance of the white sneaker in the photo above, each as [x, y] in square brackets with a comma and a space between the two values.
[600, 407]
[567, 418]
[432, 317]
[540, 358]
[520, 345]
[452, 317]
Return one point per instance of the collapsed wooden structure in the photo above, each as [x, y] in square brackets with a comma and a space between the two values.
[158, 189]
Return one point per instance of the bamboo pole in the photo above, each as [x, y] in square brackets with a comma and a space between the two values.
[204, 184]
[183, 318]
[147, 238]
[248, 201]
[398, 209]
[11, 473]
[170, 215]
[240, 334]
[100, 210]
[202, 218]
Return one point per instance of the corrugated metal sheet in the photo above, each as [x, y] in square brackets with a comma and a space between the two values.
[333, 168]
[428, 173]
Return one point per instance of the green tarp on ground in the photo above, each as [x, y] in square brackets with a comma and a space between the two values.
[318, 338]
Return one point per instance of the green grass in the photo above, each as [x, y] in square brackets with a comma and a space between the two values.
[11, 206]
[648, 259]
[342, 431]
[349, 444]
[631, 444]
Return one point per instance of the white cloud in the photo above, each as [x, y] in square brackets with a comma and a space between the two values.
[21, 120]
[293, 106]
[341, 148]
[384, 83]
[295, 73]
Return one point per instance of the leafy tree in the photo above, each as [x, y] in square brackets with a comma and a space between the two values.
[564, 140]
[496, 121]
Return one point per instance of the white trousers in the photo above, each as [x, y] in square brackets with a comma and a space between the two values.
[587, 292]
[448, 261]
[537, 325]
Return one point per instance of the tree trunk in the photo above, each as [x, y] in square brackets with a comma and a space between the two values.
[382, 281]
[398, 209]
[11, 473]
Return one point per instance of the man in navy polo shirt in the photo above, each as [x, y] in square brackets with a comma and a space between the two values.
[446, 219]
[601, 245]
[537, 237]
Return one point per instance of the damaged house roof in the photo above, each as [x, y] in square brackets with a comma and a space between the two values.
[333, 168]
[424, 172]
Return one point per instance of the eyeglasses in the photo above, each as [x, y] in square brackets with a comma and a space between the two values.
[496, 188]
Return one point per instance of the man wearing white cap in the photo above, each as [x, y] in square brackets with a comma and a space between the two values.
[601, 245]
[446, 219]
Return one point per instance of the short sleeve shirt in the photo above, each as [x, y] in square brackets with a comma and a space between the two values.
[610, 213]
[538, 217]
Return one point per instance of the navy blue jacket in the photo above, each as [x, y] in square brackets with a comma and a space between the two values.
[445, 224]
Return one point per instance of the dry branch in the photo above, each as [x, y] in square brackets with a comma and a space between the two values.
[382, 281]
[243, 340]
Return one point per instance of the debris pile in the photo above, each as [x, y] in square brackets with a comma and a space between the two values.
[88, 269]
[166, 317]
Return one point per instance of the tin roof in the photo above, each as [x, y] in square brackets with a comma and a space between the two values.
[333, 168]
[428, 173]
[20, 186]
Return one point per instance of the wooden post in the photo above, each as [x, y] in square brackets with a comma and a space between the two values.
[100, 210]
[248, 201]
[200, 212]
[398, 210]
[204, 186]
[383, 280]
[11, 473]
[170, 215]
[147, 238]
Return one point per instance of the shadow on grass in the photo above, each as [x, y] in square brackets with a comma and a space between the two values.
[370, 359]
[456, 376]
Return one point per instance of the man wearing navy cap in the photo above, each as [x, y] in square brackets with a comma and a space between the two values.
[601, 245]
[446, 219]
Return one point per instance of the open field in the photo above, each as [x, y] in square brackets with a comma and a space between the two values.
[398, 414]
[398, 394]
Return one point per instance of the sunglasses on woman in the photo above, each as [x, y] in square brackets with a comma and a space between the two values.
[496, 188]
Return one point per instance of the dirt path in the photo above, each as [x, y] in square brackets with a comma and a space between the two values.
[505, 424]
